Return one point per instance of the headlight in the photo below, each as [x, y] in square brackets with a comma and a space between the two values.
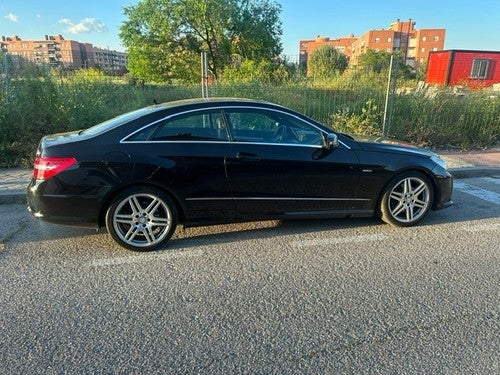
[436, 159]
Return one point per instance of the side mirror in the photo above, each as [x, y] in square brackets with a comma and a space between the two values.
[331, 141]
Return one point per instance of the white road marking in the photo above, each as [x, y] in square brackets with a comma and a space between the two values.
[144, 258]
[495, 181]
[484, 194]
[340, 240]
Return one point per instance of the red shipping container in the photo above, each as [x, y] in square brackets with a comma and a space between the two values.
[474, 69]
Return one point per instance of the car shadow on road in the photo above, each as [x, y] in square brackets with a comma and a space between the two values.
[463, 210]
[262, 230]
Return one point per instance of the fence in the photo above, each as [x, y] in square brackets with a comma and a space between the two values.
[42, 102]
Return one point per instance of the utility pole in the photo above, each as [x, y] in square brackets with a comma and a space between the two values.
[204, 75]
[389, 96]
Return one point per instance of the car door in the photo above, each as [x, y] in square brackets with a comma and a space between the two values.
[277, 164]
[186, 153]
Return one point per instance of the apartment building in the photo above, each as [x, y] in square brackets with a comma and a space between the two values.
[110, 60]
[402, 36]
[55, 50]
[343, 44]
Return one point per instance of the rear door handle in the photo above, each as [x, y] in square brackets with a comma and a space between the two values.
[245, 156]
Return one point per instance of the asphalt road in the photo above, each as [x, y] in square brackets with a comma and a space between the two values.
[335, 296]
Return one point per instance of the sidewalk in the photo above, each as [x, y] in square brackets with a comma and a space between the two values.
[13, 182]
[472, 163]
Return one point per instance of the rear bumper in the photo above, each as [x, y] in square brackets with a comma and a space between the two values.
[74, 210]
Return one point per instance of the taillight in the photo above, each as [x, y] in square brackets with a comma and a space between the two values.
[48, 167]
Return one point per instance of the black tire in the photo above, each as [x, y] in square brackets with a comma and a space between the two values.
[141, 218]
[406, 199]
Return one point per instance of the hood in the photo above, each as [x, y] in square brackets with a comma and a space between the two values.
[381, 144]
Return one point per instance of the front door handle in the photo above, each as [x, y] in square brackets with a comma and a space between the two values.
[246, 156]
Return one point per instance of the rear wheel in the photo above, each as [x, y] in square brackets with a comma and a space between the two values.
[141, 218]
[406, 199]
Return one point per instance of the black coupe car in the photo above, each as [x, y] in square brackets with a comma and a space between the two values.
[200, 162]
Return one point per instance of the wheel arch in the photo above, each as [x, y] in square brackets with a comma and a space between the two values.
[426, 173]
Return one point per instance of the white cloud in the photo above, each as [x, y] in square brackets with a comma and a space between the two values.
[11, 17]
[86, 25]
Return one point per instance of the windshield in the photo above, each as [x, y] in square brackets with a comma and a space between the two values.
[117, 121]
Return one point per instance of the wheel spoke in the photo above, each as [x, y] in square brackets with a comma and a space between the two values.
[397, 195]
[420, 189]
[407, 186]
[131, 233]
[398, 209]
[125, 219]
[160, 221]
[135, 205]
[409, 213]
[148, 234]
[153, 206]
[420, 204]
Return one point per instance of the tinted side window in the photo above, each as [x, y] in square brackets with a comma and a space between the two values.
[266, 126]
[249, 125]
[202, 126]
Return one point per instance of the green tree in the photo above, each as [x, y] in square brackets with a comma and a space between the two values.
[326, 62]
[379, 61]
[266, 71]
[164, 38]
[374, 61]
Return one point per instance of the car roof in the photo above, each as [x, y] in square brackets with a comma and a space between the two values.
[201, 102]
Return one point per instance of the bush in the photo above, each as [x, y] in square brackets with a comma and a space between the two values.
[368, 122]
[469, 121]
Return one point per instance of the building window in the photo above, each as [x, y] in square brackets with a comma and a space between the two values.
[422, 50]
[424, 39]
[436, 38]
[377, 40]
[480, 68]
[434, 48]
[389, 39]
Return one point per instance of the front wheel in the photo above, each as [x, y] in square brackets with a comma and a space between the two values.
[406, 199]
[141, 218]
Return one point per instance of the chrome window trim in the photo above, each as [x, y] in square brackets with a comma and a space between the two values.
[229, 143]
[221, 107]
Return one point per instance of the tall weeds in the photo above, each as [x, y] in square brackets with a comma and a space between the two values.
[33, 106]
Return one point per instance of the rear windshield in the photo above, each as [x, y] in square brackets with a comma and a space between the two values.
[117, 121]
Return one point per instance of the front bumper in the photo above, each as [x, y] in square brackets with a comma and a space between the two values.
[443, 189]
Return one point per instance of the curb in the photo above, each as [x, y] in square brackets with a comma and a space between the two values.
[469, 172]
[12, 198]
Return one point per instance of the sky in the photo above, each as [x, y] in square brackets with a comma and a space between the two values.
[469, 24]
